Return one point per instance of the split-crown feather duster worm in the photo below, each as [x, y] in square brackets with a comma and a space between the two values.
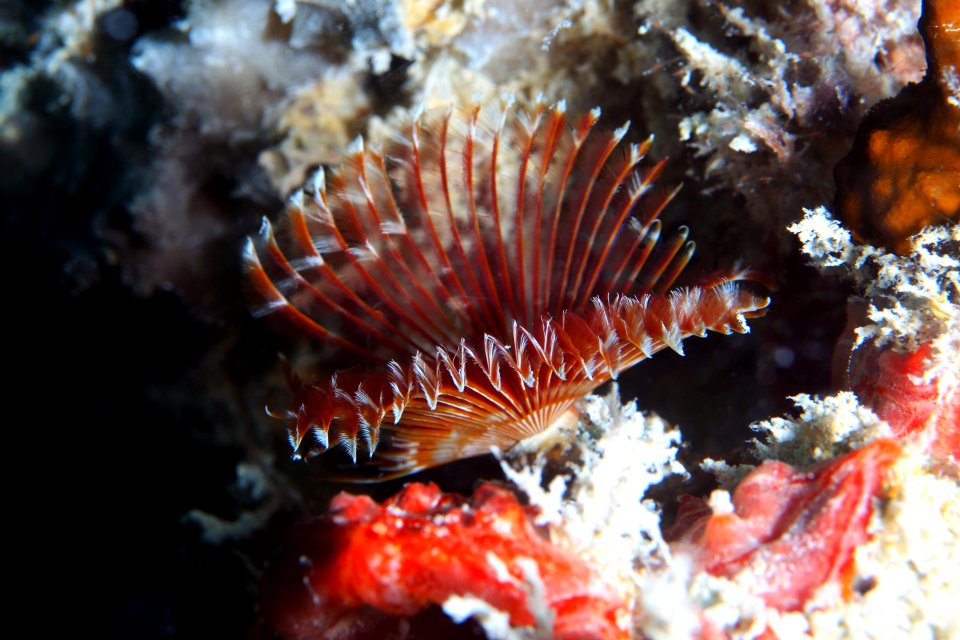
[483, 272]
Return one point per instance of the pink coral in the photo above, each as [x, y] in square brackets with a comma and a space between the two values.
[892, 385]
[420, 548]
[791, 531]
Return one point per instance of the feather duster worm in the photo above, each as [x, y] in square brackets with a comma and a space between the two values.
[482, 273]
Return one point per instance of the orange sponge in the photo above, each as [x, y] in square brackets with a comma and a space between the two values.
[903, 172]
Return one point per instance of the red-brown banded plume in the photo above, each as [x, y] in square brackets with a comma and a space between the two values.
[479, 275]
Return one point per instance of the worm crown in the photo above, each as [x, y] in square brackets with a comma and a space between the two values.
[482, 272]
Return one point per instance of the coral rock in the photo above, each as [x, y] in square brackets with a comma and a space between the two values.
[903, 172]
[790, 531]
[422, 547]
